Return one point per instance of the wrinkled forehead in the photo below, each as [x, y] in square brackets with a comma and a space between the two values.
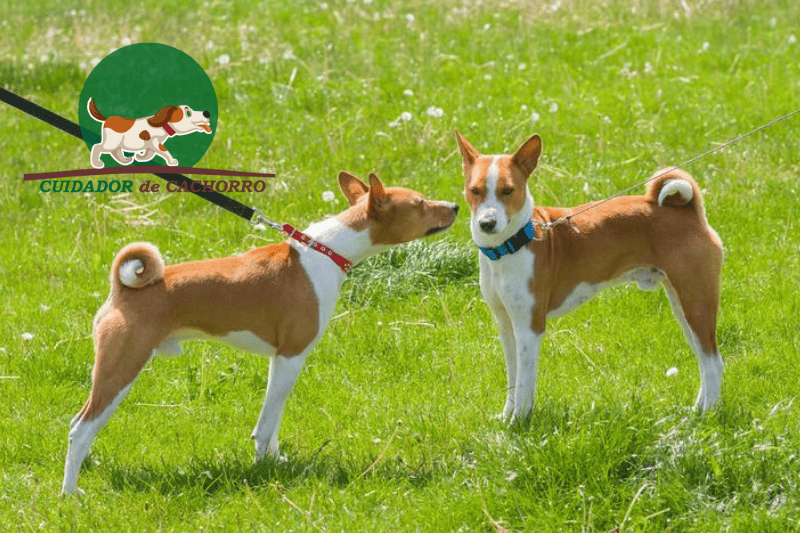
[398, 196]
[401, 194]
[493, 171]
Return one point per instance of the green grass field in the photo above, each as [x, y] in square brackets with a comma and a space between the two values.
[392, 426]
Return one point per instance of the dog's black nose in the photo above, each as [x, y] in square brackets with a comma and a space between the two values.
[488, 225]
[206, 114]
[455, 208]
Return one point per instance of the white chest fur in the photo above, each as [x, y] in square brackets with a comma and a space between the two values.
[326, 278]
[325, 275]
[508, 280]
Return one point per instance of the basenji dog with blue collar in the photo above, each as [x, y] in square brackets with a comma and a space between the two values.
[275, 300]
[538, 262]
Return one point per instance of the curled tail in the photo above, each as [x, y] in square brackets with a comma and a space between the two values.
[676, 188]
[94, 112]
[137, 265]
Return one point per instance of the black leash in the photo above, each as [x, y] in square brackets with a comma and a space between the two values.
[66, 125]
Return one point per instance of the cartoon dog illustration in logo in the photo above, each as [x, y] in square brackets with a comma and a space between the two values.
[145, 136]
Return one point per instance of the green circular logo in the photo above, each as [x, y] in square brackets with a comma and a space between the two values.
[147, 104]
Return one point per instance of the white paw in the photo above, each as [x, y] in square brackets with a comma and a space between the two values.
[74, 491]
[519, 417]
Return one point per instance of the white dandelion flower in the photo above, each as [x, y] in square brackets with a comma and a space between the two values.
[434, 111]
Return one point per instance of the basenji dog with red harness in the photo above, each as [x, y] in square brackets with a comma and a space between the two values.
[539, 262]
[275, 300]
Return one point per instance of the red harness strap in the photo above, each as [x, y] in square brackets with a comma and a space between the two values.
[343, 263]
[169, 130]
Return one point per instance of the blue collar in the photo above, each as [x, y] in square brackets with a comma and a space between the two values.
[517, 241]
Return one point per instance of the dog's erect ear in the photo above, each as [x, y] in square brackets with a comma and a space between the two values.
[352, 187]
[163, 116]
[528, 155]
[377, 197]
[468, 153]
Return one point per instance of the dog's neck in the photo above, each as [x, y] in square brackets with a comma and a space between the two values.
[355, 246]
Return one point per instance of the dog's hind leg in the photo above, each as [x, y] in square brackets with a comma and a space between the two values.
[81, 434]
[117, 363]
[97, 150]
[283, 372]
[121, 157]
[696, 311]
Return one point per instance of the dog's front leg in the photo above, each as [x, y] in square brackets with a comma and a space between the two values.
[283, 372]
[521, 331]
[147, 155]
[506, 336]
[527, 343]
[159, 149]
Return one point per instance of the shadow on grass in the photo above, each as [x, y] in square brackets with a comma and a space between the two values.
[233, 474]
[620, 444]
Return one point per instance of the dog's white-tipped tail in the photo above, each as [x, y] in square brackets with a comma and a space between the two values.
[94, 112]
[681, 188]
[137, 265]
[675, 188]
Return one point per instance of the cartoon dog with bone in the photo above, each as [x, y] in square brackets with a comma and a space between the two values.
[145, 136]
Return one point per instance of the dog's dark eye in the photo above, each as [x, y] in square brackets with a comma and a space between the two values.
[475, 191]
[507, 191]
[188, 112]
